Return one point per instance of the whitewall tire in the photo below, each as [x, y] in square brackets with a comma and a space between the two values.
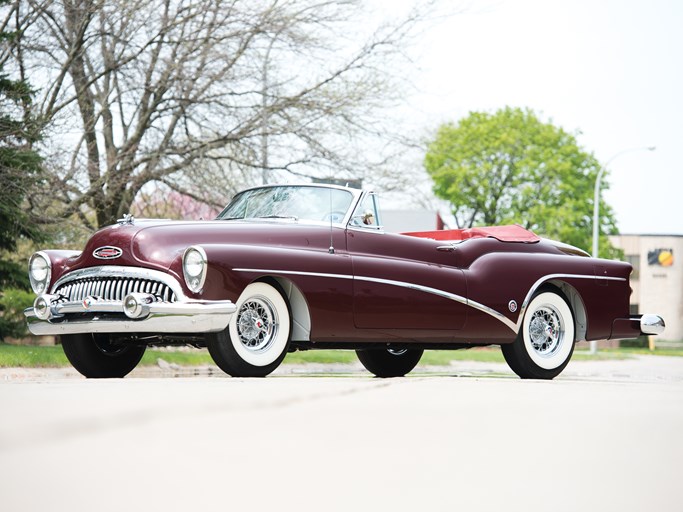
[257, 337]
[545, 342]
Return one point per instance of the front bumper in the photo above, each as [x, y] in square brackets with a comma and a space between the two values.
[97, 316]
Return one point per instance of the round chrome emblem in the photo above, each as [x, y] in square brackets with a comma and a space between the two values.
[107, 253]
[512, 306]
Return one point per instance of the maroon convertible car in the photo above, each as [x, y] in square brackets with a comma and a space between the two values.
[296, 267]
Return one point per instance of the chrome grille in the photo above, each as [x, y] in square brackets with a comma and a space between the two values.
[113, 288]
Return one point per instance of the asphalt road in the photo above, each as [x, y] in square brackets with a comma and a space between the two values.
[605, 436]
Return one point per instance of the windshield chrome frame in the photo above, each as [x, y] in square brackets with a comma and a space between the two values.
[357, 197]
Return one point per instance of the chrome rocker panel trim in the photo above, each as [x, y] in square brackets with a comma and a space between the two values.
[163, 317]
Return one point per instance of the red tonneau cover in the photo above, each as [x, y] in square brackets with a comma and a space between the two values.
[513, 233]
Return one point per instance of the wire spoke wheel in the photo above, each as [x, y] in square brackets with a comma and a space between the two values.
[545, 342]
[258, 335]
[546, 330]
[257, 324]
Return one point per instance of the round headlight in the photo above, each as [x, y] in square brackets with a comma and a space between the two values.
[194, 264]
[39, 272]
[194, 268]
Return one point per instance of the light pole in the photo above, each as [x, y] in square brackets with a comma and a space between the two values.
[264, 114]
[264, 108]
[596, 211]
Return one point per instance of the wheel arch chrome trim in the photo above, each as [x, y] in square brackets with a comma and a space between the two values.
[542, 280]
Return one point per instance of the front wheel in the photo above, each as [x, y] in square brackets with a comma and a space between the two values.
[545, 343]
[95, 356]
[389, 362]
[257, 337]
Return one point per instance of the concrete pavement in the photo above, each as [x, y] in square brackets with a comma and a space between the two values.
[604, 436]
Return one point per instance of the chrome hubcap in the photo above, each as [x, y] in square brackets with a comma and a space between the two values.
[546, 330]
[257, 324]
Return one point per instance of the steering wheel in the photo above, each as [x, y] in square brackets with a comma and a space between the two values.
[335, 216]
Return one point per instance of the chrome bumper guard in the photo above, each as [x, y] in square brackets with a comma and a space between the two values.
[137, 313]
[652, 324]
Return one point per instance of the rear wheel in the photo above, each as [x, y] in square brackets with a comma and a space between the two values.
[545, 343]
[95, 356]
[257, 337]
[389, 362]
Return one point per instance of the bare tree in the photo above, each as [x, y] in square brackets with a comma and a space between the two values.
[200, 95]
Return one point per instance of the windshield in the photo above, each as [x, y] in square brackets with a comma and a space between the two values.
[290, 202]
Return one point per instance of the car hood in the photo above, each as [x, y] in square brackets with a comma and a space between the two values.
[135, 243]
[160, 244]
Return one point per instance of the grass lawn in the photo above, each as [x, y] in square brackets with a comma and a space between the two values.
[27, 356]
[675, 352]
[44, 357]
[14, 356]
[24, 356]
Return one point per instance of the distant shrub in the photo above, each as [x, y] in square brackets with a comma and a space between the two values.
[640, 342]
[13, 301]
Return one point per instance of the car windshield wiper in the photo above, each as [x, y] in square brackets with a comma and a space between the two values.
[294, 217]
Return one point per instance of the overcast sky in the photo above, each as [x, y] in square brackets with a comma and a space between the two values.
[611, 69]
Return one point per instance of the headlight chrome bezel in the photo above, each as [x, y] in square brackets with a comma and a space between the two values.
[195, 281]
[40, 285]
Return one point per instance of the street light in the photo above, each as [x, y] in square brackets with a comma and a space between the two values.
[596, 199]
[596, 210]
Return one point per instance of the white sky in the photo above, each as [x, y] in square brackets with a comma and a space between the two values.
[611, 69]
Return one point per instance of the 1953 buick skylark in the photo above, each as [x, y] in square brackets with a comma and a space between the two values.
[294, 267]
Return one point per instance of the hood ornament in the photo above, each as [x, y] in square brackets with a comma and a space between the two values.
[127, 219]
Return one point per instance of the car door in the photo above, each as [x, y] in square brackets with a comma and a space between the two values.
[404, 282]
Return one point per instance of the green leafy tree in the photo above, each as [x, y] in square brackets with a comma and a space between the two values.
[20, 174]
[510, 167]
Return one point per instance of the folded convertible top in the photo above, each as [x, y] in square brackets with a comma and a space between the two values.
[512, 233]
